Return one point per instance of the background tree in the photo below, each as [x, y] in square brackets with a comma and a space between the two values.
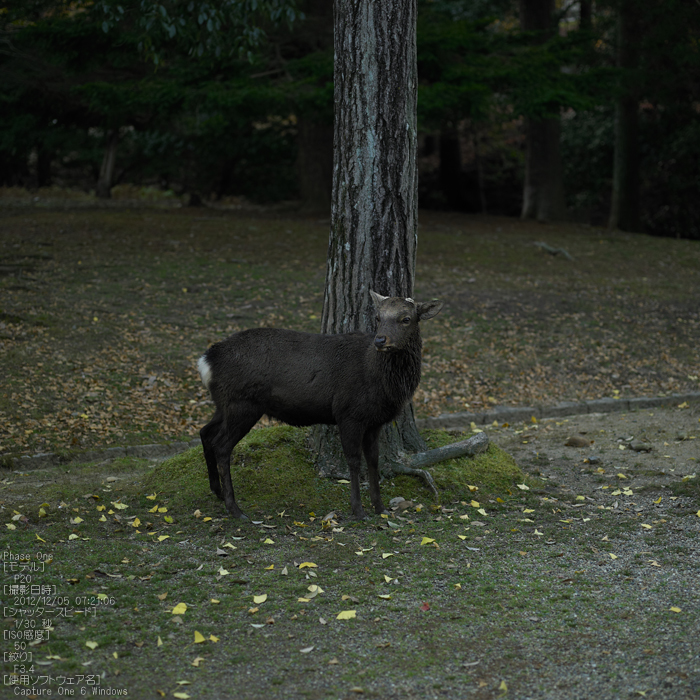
[543, 191]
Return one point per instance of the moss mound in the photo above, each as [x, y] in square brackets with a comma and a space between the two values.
[273, 469]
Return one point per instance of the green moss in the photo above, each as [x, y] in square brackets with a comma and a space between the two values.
[687, 487]
[273, 469]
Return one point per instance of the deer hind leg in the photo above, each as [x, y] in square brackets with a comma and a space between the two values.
[236, 424]
[208, 434]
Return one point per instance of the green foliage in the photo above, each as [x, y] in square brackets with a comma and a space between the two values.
[196, 27]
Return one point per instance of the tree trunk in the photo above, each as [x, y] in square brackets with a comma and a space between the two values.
[109, 161]
[375, 186]
[543, 193]
[586, 15]
[43, 167]
[451, 167]
[624, 209]
[315, 164]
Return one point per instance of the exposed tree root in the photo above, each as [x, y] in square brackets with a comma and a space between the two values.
[411, 464]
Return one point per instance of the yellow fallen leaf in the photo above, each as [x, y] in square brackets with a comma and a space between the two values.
[39, 538]
[580, 498]
[384, 596]
[269, 568]
[464, 517]
[162, 509]
[503, 685]
[135, 522]
[101, 508]
[119, 506]
[674, 609]
[252, 611]
[268, 541]
[613, 556]
[103, 519]
[529, 510]
[198, 637]
[152, 497]
[523, 487]
[70, 537]
[475, 504]
[345, 615]
[42, 512]
[386, 555]
[308, 564]
[163, 537]
[179, 609]
[212, 638]
[258, 599]
[387, 579]
[159, 643]
[154, 509]
[458, 586]
[303, 600]
[181, 696]
[482, 511]
[427, 540]
[198, 661]
[206, 520]
[648, 527]
[343, 481]
[91, 645]
[462, 537]
[222, 571]
[537, 532]
[76, 521]
[621, 476]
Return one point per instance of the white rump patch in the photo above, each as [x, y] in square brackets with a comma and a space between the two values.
[204, 371]
[410, 300]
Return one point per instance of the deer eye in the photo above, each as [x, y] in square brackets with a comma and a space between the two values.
[407, 319]
[377, 319]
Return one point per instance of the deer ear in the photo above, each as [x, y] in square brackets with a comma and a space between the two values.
[378, 298]
[429, 309]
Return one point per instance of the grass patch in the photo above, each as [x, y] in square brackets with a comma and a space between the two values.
[272, 468]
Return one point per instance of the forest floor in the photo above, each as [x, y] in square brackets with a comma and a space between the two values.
[577, 579]
[104, 313]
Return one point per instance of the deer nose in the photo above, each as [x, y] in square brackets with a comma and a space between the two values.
[379, 341]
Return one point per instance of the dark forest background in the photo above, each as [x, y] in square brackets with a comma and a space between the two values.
[569, 110]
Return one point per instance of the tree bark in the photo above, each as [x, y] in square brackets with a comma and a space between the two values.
[315, 164]
[373, 234]
[43, 167]
[451, 167]
[586, 15]
[625, 204]
[109, 161]
[543, 193]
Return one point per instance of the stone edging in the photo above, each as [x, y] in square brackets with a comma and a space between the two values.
[454, 421]
[513, 414]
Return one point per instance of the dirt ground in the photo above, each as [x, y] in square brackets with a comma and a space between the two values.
[642, 450]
